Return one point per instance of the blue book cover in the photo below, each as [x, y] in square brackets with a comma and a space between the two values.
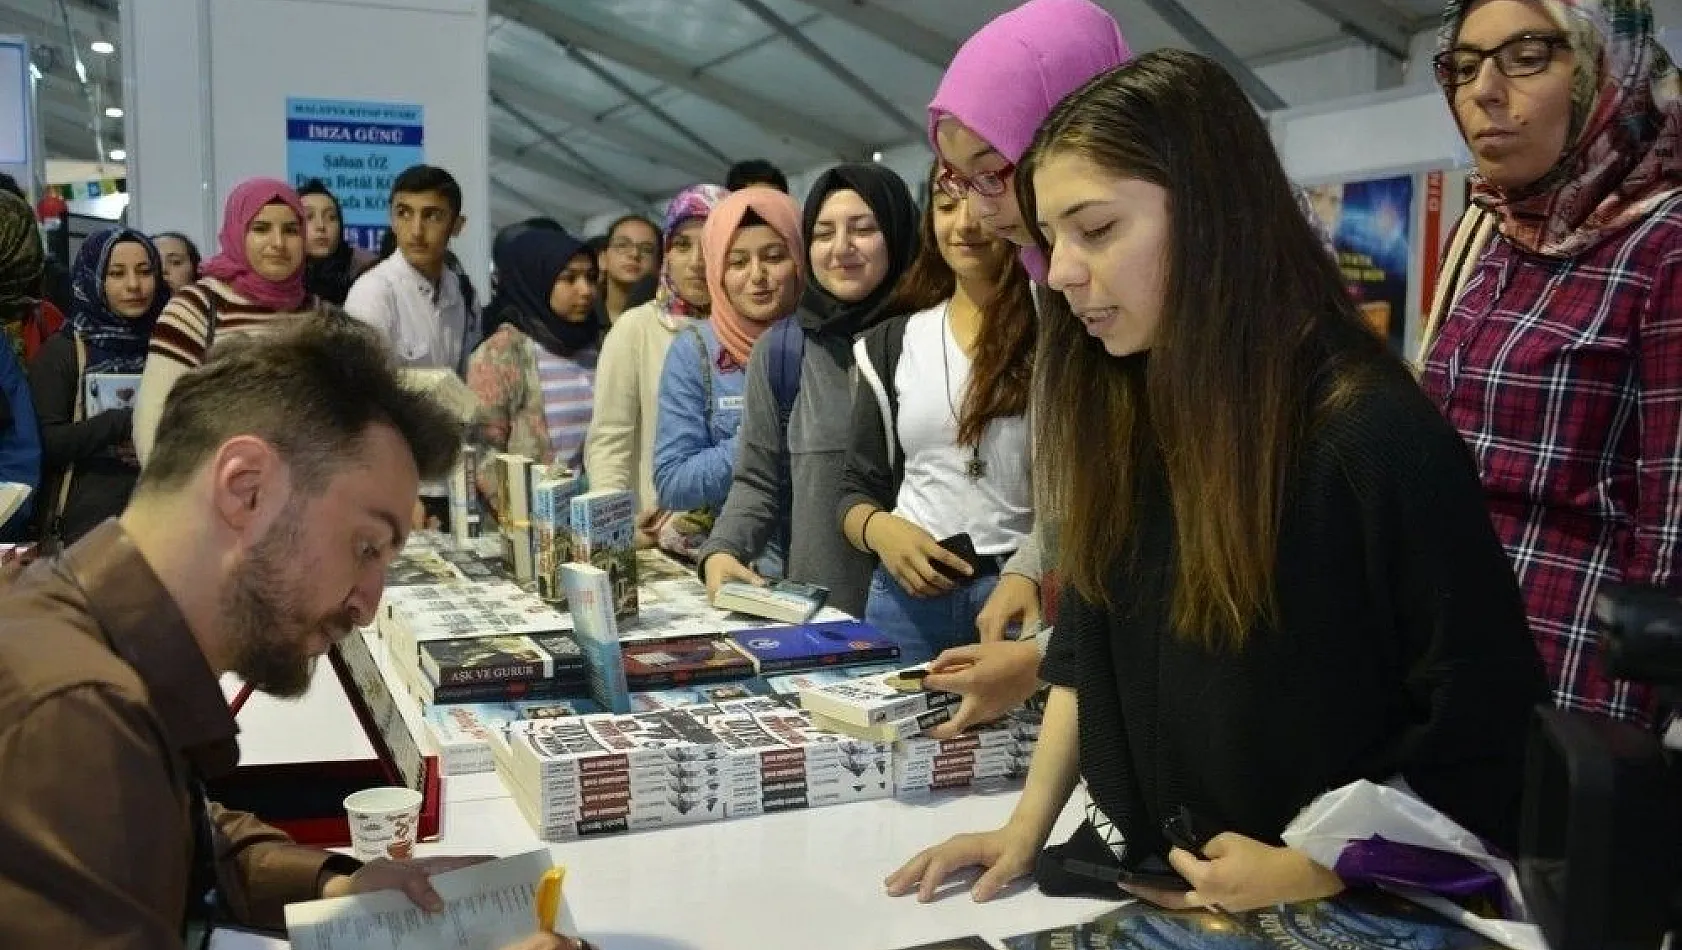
[1370, 920]
[815, 645]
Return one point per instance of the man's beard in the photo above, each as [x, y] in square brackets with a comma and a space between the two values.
[262, 612]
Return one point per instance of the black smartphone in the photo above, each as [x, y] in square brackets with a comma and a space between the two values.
[1186, 831]
[1156, 873]
[1153, 874]
[964, 547]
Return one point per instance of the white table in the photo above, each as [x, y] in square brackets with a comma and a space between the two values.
[809, 879]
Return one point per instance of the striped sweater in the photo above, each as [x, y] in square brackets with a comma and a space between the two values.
[182, 336]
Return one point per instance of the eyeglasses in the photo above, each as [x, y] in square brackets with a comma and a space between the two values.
[1524, 55]
[987, 184]
[645, 249]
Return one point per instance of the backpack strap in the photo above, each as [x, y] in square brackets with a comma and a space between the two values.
[694, 333]
[788, 351]
[53, 536]
[1471, 236]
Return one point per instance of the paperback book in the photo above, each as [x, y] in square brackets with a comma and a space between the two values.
[1356, 920]
[783, 601]
[871, 701]
[683, 698]
[479, 660]
[464, 733]
[551, 527]
[107, 391]
[604, 531]
[891, 731]
[590, 600]
[777, 760]
[664, 664]
[815, 645]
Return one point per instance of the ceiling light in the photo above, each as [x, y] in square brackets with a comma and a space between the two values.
[118, 155]
[875, 156]
[35, 72]
[113, 112]
[102, 47]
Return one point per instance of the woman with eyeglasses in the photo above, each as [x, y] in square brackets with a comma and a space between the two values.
[1559, 358]
[1000, 86]
[630, 257]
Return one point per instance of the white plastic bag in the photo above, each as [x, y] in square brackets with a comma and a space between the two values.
[1363, 810]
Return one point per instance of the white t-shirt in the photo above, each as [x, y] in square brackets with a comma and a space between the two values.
[937, 493]
[425, 325]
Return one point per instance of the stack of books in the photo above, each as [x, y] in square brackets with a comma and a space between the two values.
[777, 760]
[514, 643]
[989, 755]
[499, 669]
[593, 775]
[880, 708]
[465, 733]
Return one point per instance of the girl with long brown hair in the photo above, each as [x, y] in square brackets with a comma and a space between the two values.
[940, 439]
[1279, 574]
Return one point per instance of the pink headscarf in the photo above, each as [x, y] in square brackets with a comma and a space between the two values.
[1006, 78]
[233, 268]
[737, 333]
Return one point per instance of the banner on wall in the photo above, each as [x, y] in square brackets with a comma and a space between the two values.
[357, 149]
[1371, 223]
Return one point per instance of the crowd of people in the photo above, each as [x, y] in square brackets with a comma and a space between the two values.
[1098, 420]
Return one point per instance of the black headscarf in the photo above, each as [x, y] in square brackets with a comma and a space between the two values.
[896, 213]
[329, 277]
[493, 316]
[527, 268]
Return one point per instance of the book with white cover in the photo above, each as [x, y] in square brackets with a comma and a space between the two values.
[12, 497]
[873, 700]
[783, 601]
[106, 391]
[486, 906]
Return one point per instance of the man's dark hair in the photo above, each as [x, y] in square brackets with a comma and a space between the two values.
[755, 171]
[421, 179]
[311, 391]
[596, 244]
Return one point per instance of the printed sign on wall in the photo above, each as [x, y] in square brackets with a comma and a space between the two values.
[1371, 223]
[357, 149]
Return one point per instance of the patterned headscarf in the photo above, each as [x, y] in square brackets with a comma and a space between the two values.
[737, 333]
[1624, 155]
[233, 267]
[116, 344]
[22, 257]
[694, 202]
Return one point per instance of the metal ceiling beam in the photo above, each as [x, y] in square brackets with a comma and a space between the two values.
[624, 89]
[817, 54]
[512, 195]
[893, 28]
[658, 151]
[526, 155]
[766, 113]
[1369, 21]
[1198, 35]
[620, 191]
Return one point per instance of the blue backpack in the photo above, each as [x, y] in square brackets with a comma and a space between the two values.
[788, 350]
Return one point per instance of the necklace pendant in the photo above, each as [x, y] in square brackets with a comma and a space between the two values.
[976, 469]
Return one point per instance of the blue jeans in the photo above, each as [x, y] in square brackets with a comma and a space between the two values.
[925, 626]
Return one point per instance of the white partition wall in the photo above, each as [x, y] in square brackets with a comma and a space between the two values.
[208, 83]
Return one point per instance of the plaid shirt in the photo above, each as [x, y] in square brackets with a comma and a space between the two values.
[1565, 378]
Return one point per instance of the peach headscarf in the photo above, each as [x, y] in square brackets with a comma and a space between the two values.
[735, 332]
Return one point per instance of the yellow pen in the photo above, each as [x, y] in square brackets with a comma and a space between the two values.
[549, 898]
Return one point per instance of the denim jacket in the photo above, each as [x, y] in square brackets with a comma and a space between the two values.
[700, 411]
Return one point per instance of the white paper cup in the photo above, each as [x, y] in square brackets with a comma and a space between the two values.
[383, 823]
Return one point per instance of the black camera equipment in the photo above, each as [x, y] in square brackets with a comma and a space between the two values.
[1600, 855]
